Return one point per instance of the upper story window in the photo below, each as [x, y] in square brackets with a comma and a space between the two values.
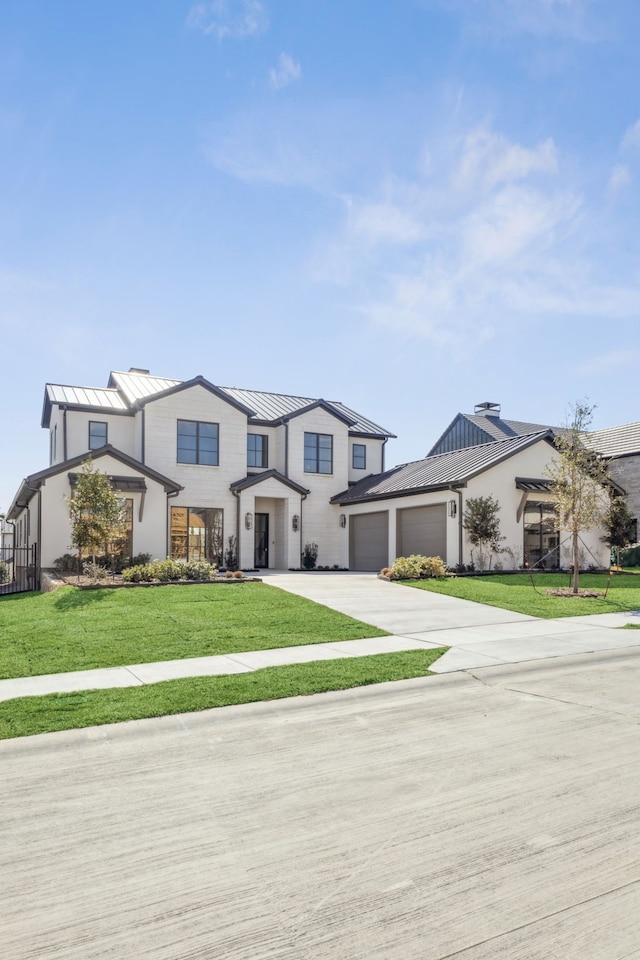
[318, 453]
[198, 442]
[257, 450]
[97, 434]
[359, 456]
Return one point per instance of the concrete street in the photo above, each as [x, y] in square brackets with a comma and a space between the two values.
[481, 814]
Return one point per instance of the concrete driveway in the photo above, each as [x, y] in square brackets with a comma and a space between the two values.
[489, 817]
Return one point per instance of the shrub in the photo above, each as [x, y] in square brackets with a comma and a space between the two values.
[415, 566]
[140, 559]
[231, 554]
[5, 571]
[199, 570]
[141, 573]
[238, 574]
[386, 572]
[67, 563]
[630, 557]
[94, 570]
[167, 570]
[310, 556]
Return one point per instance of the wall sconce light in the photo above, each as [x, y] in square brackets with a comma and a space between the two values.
[343, 520]
[453, 508]
[295, 523]
[248, 520]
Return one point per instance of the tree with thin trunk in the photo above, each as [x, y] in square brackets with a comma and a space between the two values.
[579, 482]
[482, 524]
[95, 512]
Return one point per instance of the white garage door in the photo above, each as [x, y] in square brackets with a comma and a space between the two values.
[422, 530]
[369, 541]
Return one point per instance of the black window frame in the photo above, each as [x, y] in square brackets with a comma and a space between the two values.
[196, 533]
[98, 423]
[252, 454]
[363, 448]
[199, 449]
[313, 449]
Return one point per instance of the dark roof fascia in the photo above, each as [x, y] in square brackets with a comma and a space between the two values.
[85, 408]
[256, 478]
[413, 491]
[317, 404]
[186, 385]
[132, 484]
[373, 436]
[532, 439]
[617, 456]
[34, 481]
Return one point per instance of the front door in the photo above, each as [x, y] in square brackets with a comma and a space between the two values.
[261, 541]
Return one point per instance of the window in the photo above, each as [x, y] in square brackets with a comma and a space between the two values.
[198, 442]
[359, 456]
[196, 533]
[123, 545]
[318, 453]
[257, 450]
[97, 434]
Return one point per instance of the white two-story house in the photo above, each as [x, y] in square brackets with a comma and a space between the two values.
[197, 464]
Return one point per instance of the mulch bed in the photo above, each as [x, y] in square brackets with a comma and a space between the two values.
[568, 592]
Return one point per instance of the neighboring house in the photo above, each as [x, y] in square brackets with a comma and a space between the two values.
[620, 447]
[419, 507]
[483, 426]
[196, 464]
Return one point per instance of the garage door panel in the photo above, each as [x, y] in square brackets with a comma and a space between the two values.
[422, 530]
[369, 540]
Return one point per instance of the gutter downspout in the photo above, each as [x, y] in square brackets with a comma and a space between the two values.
[64, 434]
[286, 454]
[236, 494]
[303, 497]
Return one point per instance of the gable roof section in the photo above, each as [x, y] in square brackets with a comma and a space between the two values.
[31, 484]
[622, 441]
[257, 478]
[127, 392]
[482, 428]
[439, 472]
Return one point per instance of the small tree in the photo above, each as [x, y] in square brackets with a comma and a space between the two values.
[620, 527]
[95, 512]
[579, 478]
[482, 524]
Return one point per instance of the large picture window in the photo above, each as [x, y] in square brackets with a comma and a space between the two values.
[257, 450]
[196, 533]
[318, 453]
[122, 546]
[198, 442]
[541, 538]
[97, 434]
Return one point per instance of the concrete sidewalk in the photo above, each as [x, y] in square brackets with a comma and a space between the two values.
[477, 635]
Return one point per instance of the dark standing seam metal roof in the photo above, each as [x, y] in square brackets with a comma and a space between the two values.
[126, 389]
[495, 428]
[441, 470]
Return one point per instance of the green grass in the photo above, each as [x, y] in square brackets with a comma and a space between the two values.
[515, 592]
[27, 716]
[73, 629]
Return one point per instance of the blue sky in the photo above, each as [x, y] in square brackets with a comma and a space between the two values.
[410, 207]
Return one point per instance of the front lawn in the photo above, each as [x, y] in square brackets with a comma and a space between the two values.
[515, 592]
[73, 629]
[27, 716]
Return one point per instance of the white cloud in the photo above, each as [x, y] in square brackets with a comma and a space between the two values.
[614, 361]
[229, 18]
[631, 137]
[619, 179]
[489, 160]
[284, 73]
[570, 19]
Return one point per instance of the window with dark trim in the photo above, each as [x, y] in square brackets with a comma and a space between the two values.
[359, 456]
[318, 453]
[257, 450]
[198, 442]
[196, 533]
[97, 434]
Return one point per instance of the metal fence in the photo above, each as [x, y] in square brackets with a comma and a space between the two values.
[18, 570]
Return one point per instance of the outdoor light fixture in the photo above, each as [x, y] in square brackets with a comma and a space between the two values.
[453, 508]
[295, 523]
[248, 520]
[343, 520]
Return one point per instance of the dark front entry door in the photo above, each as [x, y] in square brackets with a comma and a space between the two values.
[261, 541]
